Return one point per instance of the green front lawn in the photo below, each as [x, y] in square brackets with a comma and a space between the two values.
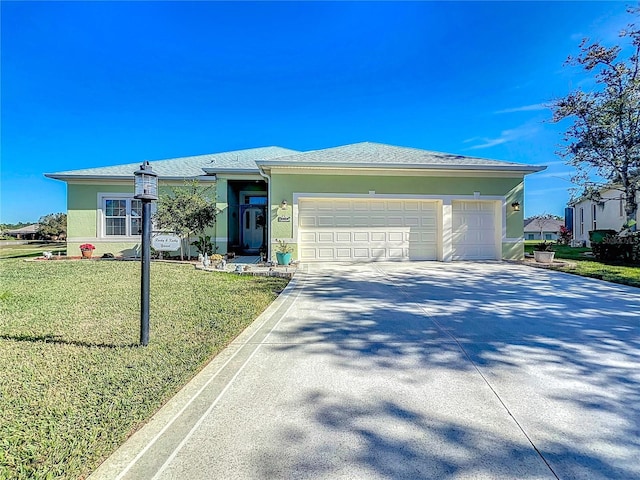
[74, 383]
[588, 267]
[32, 249]
[611, 273]
[562, 251]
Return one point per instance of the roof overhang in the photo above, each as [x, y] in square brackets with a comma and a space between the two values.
[120, 178]
[513, 169]
[235, 171]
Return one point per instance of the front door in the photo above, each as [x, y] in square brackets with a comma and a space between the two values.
[253, 223]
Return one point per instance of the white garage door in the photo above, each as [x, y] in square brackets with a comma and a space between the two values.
[474, 231]
[367, 230]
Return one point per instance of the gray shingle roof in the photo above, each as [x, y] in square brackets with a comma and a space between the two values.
[369, 154]
[185, 167]
[357, 155]
[548, 225]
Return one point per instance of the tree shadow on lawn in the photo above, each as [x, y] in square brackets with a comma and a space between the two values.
[59, 340]
[562, 352]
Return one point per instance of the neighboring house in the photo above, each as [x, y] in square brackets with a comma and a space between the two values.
[608, 213]
[547, 229]
[359, 202]
[30, 232]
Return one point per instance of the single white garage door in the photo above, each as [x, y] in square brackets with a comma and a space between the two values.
[474, 230]
[367, 230]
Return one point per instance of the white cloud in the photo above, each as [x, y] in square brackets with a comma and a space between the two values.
[551, 164]
[524, 108]
[559, 175]
[505, 136]
[545, 191]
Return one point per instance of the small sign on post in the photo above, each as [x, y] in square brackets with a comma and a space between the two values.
[166, 242]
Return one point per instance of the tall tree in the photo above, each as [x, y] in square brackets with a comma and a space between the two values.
[53, 226]
[187, 210]
[603, 143]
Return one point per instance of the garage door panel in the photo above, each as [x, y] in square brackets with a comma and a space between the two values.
[343, 237]
[396, 236]
[361, 253]
[308, 253]
[308, 237]
[474, 231]
[326, 237]
[307, 222]
[428, 222]
[368, 230]
[325, 253]
[324, 221]
[361, 237]
[411, 221]
[422, 253]
[360, 221]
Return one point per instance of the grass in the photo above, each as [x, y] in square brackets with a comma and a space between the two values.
[588, 267]
[31, 249]
[74, 385]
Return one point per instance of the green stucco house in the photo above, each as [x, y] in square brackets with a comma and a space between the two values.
[360, 202]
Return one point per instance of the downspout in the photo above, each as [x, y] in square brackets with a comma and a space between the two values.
[268, 223]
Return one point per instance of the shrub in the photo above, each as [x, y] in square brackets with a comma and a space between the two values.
[565, 235]
[543, 247]
[622, 248]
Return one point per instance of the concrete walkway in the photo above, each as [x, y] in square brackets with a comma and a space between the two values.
[412, 371]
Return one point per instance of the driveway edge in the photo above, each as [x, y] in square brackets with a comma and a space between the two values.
[121, 463]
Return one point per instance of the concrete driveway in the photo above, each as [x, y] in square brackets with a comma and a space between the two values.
[413, 371]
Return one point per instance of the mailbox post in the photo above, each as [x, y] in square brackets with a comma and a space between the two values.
[145, 189]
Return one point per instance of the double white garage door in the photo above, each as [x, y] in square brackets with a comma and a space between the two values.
[375, 229]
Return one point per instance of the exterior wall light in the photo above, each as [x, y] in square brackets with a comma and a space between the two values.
[515, 206]
[283, 204]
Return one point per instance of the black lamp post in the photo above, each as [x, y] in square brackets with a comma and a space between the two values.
[145, 189]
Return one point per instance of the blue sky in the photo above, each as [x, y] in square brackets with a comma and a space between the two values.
[104, 83]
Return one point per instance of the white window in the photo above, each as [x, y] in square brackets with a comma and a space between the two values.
[121, 215]
[593, 210]
[581, 221]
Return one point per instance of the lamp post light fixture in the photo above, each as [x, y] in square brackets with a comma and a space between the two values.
[145, 189]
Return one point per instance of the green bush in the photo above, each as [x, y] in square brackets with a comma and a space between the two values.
[618, 248]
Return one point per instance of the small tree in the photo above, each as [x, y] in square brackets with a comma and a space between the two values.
[53, 226]
[604, 140]
[186, 210]
[540, 221]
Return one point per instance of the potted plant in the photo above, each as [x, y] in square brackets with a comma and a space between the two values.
[283, 253]
[543, 252]
[87, 250]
